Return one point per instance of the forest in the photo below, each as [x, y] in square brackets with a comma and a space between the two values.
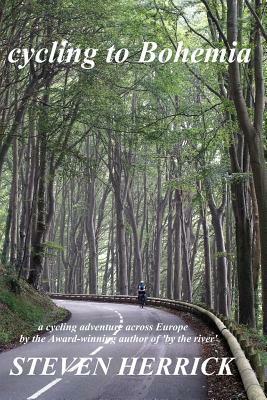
[130, 171]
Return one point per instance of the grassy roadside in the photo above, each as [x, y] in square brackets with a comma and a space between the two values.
[23, 310]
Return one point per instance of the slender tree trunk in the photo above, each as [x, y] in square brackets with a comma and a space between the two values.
[229, 247]
[170, 264]
[207, 255]
[6, 245]
[161, 204]
[122, 262]
[37, 252]
[46, 277]
[138, 275]
[252, 132]
[106, 271]
[177, 289]
[187, 279]
[30, 198]
[217, 222]
[38, 234]
[91, 237]
[118, 177]
[14, 220]
[241, 205]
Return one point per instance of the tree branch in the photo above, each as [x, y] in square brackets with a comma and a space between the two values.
[253, 12]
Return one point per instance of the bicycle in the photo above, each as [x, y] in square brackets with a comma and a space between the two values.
[142, 299]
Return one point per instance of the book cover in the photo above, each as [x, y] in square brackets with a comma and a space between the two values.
[133, 211]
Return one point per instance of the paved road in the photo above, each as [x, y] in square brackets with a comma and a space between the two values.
[104, 384]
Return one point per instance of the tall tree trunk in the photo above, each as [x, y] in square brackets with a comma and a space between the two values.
[170, 264]
[122, 261]
[241, 206]
[161, 204]
[138, 275]
[186, 243]
[91, 237]
[252, 131]
[37, 252]
[38, 249]
[177, 286]
[120, 186]
[14, 219]
[106, 270]
[30, 198]
[6, 244]
[207, 253]
[217, 215]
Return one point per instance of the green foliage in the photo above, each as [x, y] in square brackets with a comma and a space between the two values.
[258, 340]
[54, 246]
[13, 284]
[21, 312]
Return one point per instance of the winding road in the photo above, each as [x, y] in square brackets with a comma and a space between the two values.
[114, 343]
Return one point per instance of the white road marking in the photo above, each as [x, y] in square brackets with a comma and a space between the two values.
[118, 330]
[44, 389]
[119, 314]
[53, 383]
[96, 351]
[121, 322]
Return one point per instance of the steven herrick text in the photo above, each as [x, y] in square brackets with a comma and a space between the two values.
[127, 366]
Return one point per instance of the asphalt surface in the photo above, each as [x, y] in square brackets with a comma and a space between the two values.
[102, 384]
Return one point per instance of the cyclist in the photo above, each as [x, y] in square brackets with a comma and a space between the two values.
[142, 292]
